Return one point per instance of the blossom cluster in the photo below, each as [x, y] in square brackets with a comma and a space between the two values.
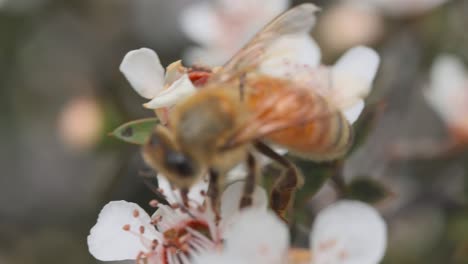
[192, 232]
[345, 232]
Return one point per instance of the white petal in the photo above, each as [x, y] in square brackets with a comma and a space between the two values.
[259, 237]
[238, 173]
[232, 195]
[200, 23]
[352, 113]
[290, 54]
[353, 74]
[174, 197]
[108, 241]
[264, 160]
[449, 84]
[178, 91]
[143, 71]
[169, 217]
[348, 232]
[174, 71]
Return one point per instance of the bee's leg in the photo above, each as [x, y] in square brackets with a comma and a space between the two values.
[284, 188]
[213, 192]
[250, 182]
[148, 176]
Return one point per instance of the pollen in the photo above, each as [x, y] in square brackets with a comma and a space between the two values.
[126, 227]
[136, 213]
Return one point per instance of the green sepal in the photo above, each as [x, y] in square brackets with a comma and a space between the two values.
[135, 132]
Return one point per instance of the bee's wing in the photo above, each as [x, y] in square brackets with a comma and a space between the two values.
[276, 106]
[297, 20]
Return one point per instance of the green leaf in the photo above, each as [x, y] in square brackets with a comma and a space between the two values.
[135, 132]
[367, 190]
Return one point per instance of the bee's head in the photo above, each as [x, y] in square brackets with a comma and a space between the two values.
[163, 155]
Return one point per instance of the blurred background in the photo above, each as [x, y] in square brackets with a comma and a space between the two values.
[61, 93]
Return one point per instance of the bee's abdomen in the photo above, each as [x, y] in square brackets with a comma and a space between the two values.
[321, 139]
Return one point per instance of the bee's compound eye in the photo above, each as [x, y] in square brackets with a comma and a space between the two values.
[180, 164]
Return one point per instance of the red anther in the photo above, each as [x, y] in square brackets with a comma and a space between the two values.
[142, 229]
[136, 213]
[160, 190]
[126, 227]
[154, 203]
[202, 193]
[175, 206]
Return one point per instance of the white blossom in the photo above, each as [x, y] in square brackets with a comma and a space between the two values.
[256, 237]
[125, 231]
[109, 241]
[346, 83]
[448, 93]
[145, 73]
[348, 232]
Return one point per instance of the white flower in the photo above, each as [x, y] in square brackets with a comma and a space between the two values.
[348, 232]
[109, 241]
[125, 231]
[223, 27]
[346, 83]
[145, 73]
[256, 237]
[259, 236]
[448, 93]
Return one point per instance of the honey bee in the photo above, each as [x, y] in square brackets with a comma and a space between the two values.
[240, 109]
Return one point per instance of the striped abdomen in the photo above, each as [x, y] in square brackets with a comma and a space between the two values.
[322, 139]
[325, 133]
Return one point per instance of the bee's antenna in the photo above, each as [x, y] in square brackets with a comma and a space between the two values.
[147, 176]
[181, 204]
